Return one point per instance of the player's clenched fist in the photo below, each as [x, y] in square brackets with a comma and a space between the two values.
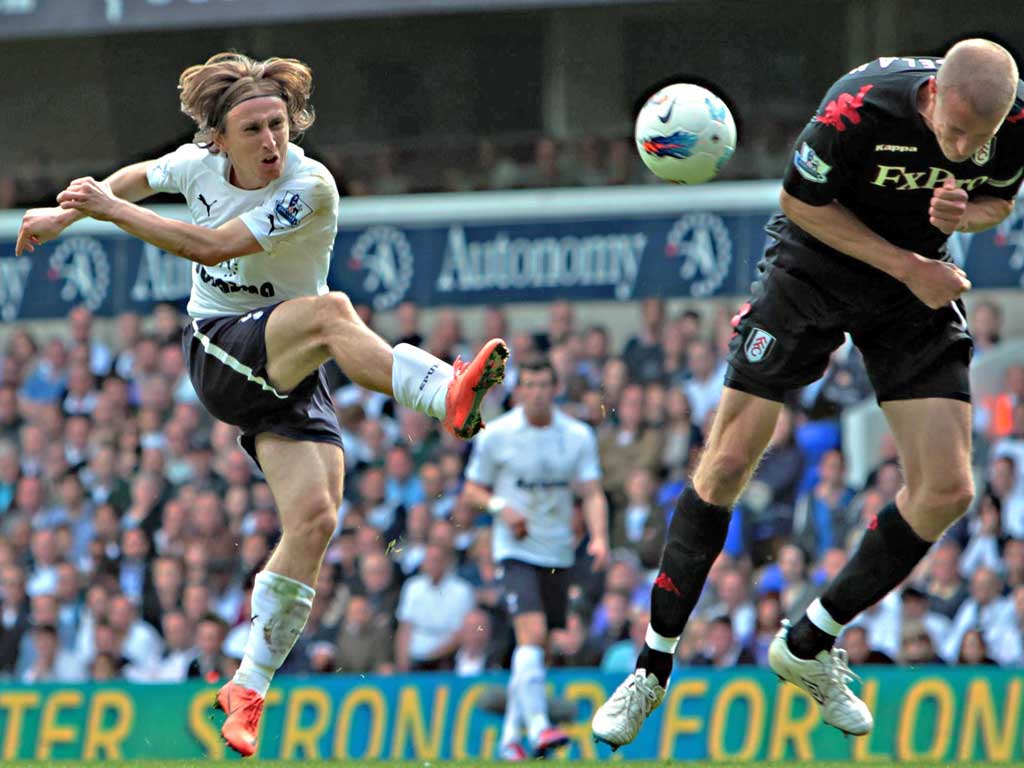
[936, 283]
[948, 207]
[91, 197]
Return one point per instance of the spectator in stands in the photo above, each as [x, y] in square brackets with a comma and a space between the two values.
[474, 655]
[1013, 444]
[179, 653]
[986, 326]
[639, 525]
[80, 322]
[138, 641]
[571, 647]
[14, 615]
[644, 356]
[1013, 563]
[768, 612]
[946, 590]
[916, 611]
[768, 501]
[973, 650]
[209, 664]
[721, 649]
[51, 662]
[734, 602]
[9, 472]
[993, 414]
[985, 608]
[364, 644]
[403, 487]
[620, 657]
[984, 546]
[431, 611]
[854, 640]
[682, 437]
[823, 518]
[1006, 487]
[704, 387]
[917, 646]
[628, 444]
[46, 380]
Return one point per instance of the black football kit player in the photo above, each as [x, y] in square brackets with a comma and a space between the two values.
[869, 149]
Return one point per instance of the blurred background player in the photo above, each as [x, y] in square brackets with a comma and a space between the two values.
[524, 470]
[264, 323]
[898, 158]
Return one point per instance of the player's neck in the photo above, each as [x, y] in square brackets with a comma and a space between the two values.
[540, 420]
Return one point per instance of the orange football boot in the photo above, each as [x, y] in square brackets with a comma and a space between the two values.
[243, 707]
[467, 389]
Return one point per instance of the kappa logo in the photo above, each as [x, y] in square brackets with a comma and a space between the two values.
[759, 345]
[251, 316]
[845, 107]
[894, 148]
[386, 256]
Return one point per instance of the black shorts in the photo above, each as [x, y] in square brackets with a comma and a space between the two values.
[803, 303]
[535, 588]
[227, 362]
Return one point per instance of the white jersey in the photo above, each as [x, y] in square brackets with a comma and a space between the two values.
[294, 219]
[533, 468]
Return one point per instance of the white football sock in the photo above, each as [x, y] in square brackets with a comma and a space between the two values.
[528, 668]
[280, 607]
[822, 619]
[420, 380]
[512, 724]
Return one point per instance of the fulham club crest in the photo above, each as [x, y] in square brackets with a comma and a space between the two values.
[984, 154]
[759, 344]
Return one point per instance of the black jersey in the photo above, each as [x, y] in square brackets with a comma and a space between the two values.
[869, 149]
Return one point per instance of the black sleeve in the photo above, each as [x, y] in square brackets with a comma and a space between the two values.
[831, 147]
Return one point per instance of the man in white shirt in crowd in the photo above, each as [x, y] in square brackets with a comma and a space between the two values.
[431, 611]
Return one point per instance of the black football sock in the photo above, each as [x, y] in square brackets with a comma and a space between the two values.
[887, 554]
[695, 537]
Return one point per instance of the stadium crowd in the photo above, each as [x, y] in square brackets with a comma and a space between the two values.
[132, 525]
[442, 166]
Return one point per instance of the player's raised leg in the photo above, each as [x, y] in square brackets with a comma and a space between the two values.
[934, 440]
[696, 535]
[308, 502]
[304, 333]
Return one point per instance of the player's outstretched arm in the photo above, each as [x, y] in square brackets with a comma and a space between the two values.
[189, 241]
[40, 225]
[934, 282]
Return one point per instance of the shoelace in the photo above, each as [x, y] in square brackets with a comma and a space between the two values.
[251, 711]
[458, 366]
[839, 672]
[640, 684]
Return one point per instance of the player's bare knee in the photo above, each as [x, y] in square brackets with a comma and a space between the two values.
[319, 520]
[722, 472]
[333, 311]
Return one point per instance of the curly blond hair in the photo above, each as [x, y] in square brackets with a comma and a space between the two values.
[210, 90]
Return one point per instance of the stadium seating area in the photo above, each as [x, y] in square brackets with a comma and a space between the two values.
[131, 525]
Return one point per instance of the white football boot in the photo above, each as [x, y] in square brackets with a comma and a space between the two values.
[618, 720]
[825, 678]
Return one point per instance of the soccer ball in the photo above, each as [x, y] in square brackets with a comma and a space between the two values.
[685, 134]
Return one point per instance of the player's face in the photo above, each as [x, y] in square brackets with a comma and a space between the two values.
[255, 138]
[536, 393]
[960, 132]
